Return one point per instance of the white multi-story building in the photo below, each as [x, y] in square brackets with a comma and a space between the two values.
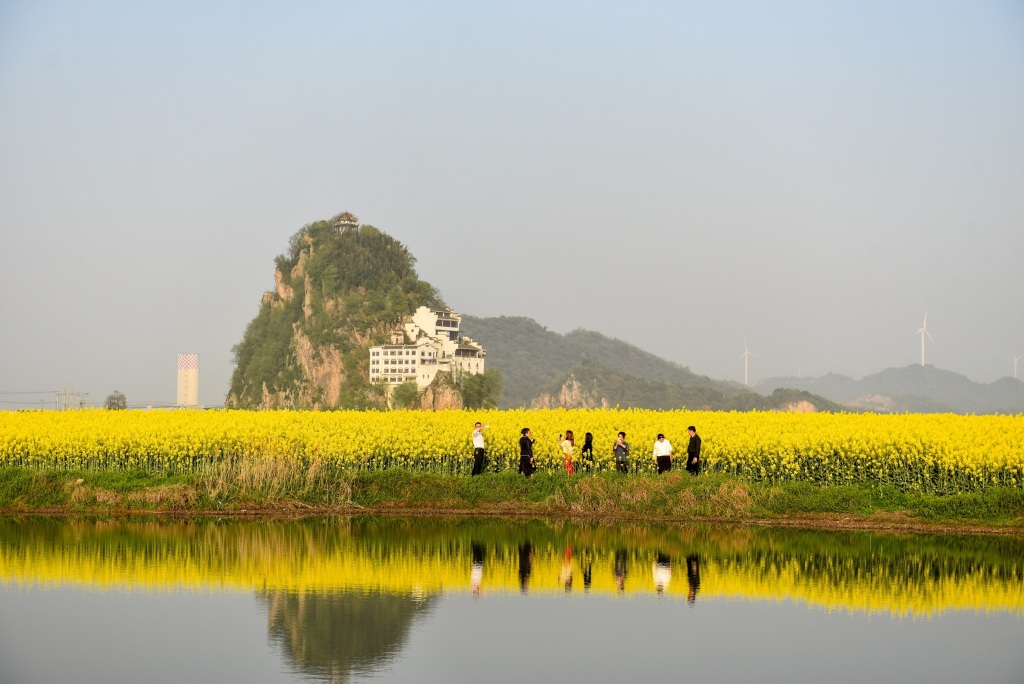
[428, 342]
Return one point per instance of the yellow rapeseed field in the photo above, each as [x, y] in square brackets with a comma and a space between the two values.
[939, 453]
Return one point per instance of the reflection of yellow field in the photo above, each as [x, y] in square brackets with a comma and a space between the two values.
[268, 563]
[917, 452]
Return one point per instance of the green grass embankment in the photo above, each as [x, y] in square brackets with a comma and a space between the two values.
[278, 487]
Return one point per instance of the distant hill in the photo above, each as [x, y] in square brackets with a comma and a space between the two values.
[585, 368]
[531, 357]
[589, 384]
[912, 388]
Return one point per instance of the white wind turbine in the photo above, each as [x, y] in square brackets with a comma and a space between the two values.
[1016, 360]
[922, 331]
[746, 361]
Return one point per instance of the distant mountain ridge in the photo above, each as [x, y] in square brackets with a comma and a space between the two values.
[584, 368]
[531, 357]
[913, 388]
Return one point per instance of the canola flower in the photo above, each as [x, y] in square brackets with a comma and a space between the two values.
[940, 453]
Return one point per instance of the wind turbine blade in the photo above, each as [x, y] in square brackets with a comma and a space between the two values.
[929, 336]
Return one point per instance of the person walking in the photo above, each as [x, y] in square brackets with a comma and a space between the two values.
[621, 453]
[567, 445]
[587, 453]
[526, 464]
[693, 452]
[663, 454]
[478, 448]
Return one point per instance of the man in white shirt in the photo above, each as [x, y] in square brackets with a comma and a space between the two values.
[478, 448]
[663, 454]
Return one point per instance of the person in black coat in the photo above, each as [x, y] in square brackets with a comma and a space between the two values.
[587, 453]
[526, 465]
[693, 452]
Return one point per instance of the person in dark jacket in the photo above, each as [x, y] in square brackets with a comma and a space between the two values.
[526, 465]
[587, 453]
[621, 453]
[693, 452]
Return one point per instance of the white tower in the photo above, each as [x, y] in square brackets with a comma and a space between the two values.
[746, 361]
[188, 379]
[922, 331]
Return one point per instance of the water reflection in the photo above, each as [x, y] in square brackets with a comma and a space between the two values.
[342, 596]
[333, 636]
[852, 571]
[692, 578]
[525, 565]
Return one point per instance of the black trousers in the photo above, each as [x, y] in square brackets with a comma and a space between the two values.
[664, 464]
[693, 468]
[478, 461]
[622, 466]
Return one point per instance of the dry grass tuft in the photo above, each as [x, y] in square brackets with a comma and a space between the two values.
[170, 497]
[730, 501]
[593, 496]
[107, 497]
[279, 478]
[637, 492]
[80, 494]
[687, 504]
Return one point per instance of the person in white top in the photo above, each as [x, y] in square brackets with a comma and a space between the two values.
[663, 454]
[567, 445]
[478, 448]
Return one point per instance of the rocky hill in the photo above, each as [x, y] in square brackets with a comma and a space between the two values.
[338, 291]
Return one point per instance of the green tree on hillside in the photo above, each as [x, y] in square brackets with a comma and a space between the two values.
[481, 390]
[406, 396]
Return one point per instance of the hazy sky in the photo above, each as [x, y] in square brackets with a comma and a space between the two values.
[810, 176]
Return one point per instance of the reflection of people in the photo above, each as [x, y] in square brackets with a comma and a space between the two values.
[621, 560]
[662, 572]
[565, 576]
[525, 566]
[526, 464]
[692, 577]
[478, 448]
[663, 454]
[693, 452]
[586, 560]
[567, 445]
[476, 574]
[587, 453]
[621, 451]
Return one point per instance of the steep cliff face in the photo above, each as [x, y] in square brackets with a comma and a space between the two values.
[571, 394]
[338, 291]
[441, 394]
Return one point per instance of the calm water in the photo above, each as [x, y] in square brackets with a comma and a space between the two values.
[423, 600]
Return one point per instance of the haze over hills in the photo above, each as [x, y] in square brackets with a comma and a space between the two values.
[913, 388]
